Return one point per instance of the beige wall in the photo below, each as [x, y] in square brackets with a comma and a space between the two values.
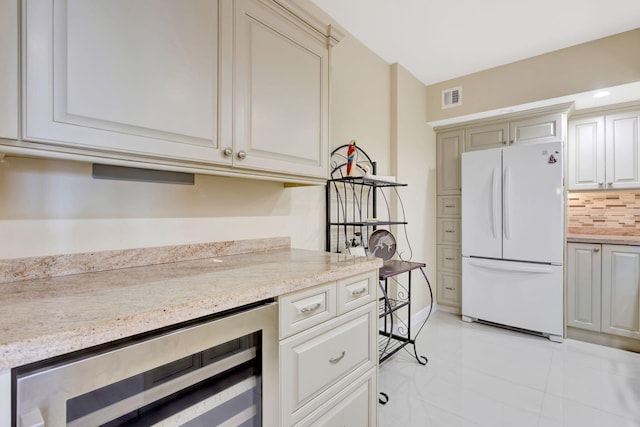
[413, 148]
[54, 207]
[606, 62]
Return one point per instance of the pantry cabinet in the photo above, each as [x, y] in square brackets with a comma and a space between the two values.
[234, 87]
[604, 151]
[9, 69]
[603, 288]
[449, 149]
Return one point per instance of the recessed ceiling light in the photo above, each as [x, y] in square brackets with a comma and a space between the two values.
[601, 94]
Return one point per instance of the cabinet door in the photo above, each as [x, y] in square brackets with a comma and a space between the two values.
[280, 93]
[9, 69]
[621, 290]
[586, 154]
[550, 128]
[5, 398]
[583, 285]
[622, 150]
[449, 149]
[133, 78]
[482, 137]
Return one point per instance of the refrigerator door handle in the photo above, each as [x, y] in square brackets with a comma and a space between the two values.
[495, 201]
[505, 206]
[493, 265]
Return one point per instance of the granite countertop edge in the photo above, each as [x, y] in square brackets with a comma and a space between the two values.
[181, 297]
[607, 240]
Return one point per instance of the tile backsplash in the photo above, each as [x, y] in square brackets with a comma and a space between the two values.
[604, 213]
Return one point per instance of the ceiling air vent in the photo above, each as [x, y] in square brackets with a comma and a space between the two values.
[452, 97]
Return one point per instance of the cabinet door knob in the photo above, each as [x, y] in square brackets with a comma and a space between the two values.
[242, 154]
[596, 249]
[600, 184]
[227, 152]
[609, 184]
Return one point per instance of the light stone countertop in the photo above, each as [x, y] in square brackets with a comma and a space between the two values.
[48, 317]
[606, 240]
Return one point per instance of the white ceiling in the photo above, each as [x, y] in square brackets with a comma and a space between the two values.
[438, 40]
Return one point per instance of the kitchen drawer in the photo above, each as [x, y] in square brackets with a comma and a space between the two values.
[449, 231]
[356, 291]
[326, 355]
[449, 206]
[448, 288]
[304, 309]
[356, 405]
[449, 258]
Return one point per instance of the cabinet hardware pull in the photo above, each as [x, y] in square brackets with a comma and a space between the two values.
[449, 231]
[337, 359]
[601, 183]
[596, 249]
[449, 206]
[448, 258]
[242, 154]
[504, 142]
[227, 152]
[310, 309]
[450, 289]
[610, 184]
[359, 291]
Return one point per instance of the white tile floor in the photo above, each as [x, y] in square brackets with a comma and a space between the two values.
[481, 375]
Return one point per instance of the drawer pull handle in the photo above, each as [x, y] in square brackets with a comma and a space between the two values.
[449, 206]
[450, 289]
[449, 231]
[358, 291]
[310, 309]
[337, 359]
[448, 258]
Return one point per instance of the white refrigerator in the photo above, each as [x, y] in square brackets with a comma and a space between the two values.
[513, 237]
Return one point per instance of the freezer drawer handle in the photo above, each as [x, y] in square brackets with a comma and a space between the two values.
[519, 268]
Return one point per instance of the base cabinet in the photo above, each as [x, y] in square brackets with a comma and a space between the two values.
[328, 363]
[603, 288]
[5, 398]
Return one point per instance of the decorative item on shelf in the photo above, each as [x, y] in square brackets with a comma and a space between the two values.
[382, 244]
[352, 158]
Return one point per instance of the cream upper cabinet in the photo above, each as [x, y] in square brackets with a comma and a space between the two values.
[9, 69]
[280, 92]
[586, 154]
[621, 290]
[213, 86]
[547, 128]
[604, 152]
[486, 136]
[623, 150]
[449, 149]
[134, 78]
[584, 264]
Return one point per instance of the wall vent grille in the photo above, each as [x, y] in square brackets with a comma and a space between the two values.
[452, 97]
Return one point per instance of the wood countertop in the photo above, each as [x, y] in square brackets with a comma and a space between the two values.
[43, 318]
